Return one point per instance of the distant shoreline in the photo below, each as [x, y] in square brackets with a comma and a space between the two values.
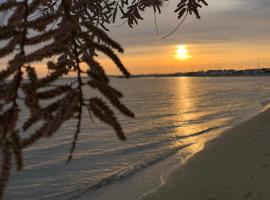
[210, 73]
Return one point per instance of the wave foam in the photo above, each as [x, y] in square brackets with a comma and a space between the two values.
[127, 172]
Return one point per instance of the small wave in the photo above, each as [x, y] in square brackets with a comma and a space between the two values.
[200, 132]
[265, 88]
[137, 167]
[143, 147]
[163, 142]
[126, 172]
[265, 104]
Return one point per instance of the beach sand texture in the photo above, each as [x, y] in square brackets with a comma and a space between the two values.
[234, 166]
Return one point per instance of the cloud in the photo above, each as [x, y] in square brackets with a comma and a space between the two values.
[222, 21]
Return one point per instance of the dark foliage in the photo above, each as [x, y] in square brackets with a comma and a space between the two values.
[71, 32]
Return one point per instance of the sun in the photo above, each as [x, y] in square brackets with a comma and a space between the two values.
[182, 52]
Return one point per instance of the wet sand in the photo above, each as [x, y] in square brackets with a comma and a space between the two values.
[234, 166]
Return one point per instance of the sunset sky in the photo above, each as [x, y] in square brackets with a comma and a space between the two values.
[231, 34]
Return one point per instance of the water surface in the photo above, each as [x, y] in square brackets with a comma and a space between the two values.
[174, 119]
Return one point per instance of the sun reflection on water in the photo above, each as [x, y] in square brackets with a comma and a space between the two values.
[188, 105]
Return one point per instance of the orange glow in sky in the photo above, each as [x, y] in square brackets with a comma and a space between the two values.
[230, 35]
[191, 57]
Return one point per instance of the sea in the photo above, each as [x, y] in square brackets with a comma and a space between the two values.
[175, 118]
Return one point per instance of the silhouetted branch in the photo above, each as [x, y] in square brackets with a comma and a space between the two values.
[69, 33]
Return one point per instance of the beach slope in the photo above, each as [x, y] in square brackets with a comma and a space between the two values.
[234, 166]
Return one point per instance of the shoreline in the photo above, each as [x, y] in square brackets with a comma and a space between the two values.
[191, 76]
[235, 165]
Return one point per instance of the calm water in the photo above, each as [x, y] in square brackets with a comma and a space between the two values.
[175, 117]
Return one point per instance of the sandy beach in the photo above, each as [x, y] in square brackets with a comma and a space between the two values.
[234, 166]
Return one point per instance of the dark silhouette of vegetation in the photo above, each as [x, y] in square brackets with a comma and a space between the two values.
[70, 33]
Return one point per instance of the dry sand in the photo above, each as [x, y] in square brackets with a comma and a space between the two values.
[234, 166]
